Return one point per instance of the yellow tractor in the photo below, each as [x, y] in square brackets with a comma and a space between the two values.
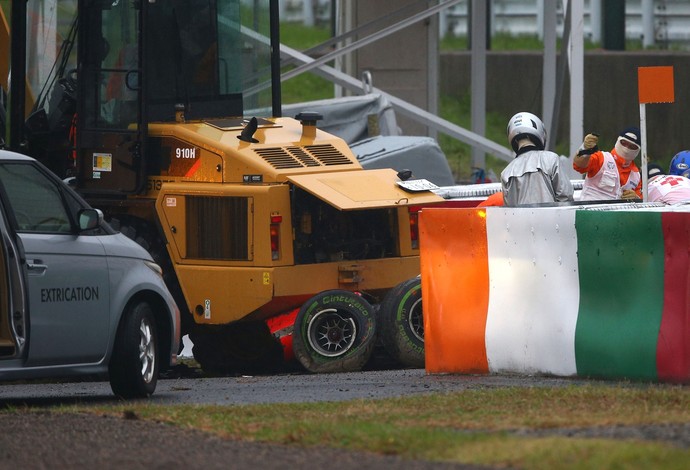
[274, 240]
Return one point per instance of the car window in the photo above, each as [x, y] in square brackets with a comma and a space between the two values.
[35, 199]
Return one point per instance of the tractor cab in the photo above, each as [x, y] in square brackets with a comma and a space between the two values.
[162, 61]
[138, 62]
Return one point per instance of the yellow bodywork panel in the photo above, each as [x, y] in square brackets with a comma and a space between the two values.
[222, 295]
[248, 230]
[219, 295]
[366, 189]
[220, 241]
[364, 275]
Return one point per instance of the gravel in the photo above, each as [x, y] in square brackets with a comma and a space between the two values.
[671, 433]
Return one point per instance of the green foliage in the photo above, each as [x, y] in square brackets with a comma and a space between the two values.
[306, 86]
[458, 154]
[498, 42]
[302, 37]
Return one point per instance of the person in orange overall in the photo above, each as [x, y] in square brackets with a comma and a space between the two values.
[610, 175]
[496, 199]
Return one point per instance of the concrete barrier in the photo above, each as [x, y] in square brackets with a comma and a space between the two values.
[561, 291]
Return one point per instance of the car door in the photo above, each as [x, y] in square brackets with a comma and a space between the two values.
[67, 277]
[12, 294]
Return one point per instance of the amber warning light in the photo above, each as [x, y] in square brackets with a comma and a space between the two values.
[414, 226]
[275, 236]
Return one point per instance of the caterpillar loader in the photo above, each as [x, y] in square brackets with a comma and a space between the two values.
[275, 242]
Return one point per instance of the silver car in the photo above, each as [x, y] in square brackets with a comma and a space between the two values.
[76, 297]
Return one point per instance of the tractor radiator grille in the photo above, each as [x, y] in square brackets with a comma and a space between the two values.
[218, 228]
[299, 157]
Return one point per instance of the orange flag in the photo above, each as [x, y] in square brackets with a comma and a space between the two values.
[655, 84]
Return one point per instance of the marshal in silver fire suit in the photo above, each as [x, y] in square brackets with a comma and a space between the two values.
[533, 177]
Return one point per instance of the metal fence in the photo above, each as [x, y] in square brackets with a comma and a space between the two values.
[668, 20]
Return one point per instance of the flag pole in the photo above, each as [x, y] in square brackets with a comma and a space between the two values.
[643, 150]
[654, 85]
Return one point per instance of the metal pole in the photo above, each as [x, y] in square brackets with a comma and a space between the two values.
[307, 12]
[276, 96]
[647, 23]
[560, 77]
[549, 68]
[643, 151]
[576, 74]
[478, 77]
[614, 25]
[595, 20]
[432, 69]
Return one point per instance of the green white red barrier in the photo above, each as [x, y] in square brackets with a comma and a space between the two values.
[561, 291]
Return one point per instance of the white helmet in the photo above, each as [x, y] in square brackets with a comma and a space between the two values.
[526, 125]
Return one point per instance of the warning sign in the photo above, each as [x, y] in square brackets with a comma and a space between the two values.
[102, 162]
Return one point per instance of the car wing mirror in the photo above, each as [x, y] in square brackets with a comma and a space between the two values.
[90, 219]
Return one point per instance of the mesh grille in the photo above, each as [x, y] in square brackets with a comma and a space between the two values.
[300, 154]
[327, 154]
[299, 157]
[278, 158]
[217, 228]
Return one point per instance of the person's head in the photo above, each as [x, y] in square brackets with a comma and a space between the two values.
[653, 170]
[526, 127]
[628, 143]
[680, 164]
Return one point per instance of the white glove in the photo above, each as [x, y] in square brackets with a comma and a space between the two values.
[589, 145]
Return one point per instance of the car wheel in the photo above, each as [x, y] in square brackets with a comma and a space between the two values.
[402, 323]
[334, 331]
[134, 364]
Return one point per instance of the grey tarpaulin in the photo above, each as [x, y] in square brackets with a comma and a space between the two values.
[422, 155]
[351, 118]
[367, 123]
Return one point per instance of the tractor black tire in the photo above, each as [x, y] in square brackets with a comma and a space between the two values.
[402, 323]
[238, 348]
[335, 331]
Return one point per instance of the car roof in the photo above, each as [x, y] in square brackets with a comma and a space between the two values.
[9, 155]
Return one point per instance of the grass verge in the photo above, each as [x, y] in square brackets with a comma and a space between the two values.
[476, 426]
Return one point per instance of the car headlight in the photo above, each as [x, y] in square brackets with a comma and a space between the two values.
[154, 267]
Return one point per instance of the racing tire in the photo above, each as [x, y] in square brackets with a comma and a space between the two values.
[402, 323]
[134, 365]
[335, 331]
